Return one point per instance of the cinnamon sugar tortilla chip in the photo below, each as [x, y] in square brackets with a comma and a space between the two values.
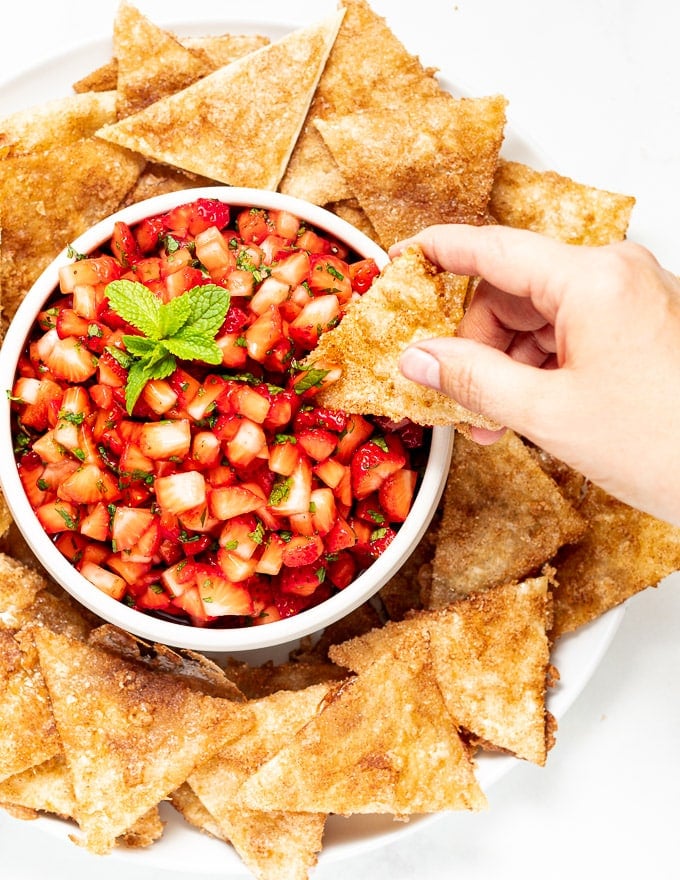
[410, 300]
[271, 844]
[622, 552]
[130, 736]
[239, 124]
[56, 123]
[502, 518]
[222, 49]
[427, 161]
[19, 586]
[51, 197]
[382, 742]
[356, 76]
[491, 658]
[28, 735]
[555, 205]
[152, 63]
[189, 805]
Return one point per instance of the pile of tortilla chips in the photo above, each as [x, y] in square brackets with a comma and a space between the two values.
[388, 711]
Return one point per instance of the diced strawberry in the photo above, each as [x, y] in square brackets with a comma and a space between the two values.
[271, 292]
[128, 524]
[93, 270]
[293, 269]
[362, 274]
[96, 523]
[146, 548]
[318, 443]
[341, 536]
[168, 439]
[330, 471]
[240, 535]
[292, 494]
[56, 472]
[318, 315]
[396, 494]
[321, 417]
[233, 348]
[323, 509]
[302, 550]
[181, 491]
[159, 396]
[213, 250]
[234, 567]
[264, 333]
[329, 274]
[253, 225]
[30, 473]
[68, 358]
[107, 581]
[203, 401]
[124, 246]
[191, 604]
[179, 578]
[58, 516]
[44, 407]
[72, 545]
[185, 278]
[246, 444]
[89, 485]
[221, 597]
[271, 558]
[70, 323]
[283, 455]
[230, 501]
[357, 430]
[250, 403]
[131, 571]
[110, 372]
[342, 570]
[373, 462]
[302, 580]
[185, 386]
[206, 451]
[154, 598]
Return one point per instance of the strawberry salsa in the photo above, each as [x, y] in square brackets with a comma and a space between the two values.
[165, 424]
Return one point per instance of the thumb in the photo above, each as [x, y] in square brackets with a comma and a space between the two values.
[482, 379]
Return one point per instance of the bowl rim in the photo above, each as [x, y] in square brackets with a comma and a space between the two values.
[223, 640]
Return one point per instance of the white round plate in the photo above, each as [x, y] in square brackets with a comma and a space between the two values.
[576, 656]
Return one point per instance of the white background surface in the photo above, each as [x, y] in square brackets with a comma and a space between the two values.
[595, 84]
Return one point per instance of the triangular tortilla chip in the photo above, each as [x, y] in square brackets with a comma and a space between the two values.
[410, 300]
[239, 124]
[383, 742]
[502, 518]
[554, 205]
[490, 656]
[425, 162]
[622, 552]
[130, 736]
[19, 585]
[56, 123]
[49, 198]
[28, 735]
[190, 806]
[222, 49]
[47, 788]
[152, 63]
[283, 844]
[356, 76]
[5, 516]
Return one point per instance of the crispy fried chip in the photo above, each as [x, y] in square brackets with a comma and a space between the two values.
[19, 585]
[282, 844]
[189, 805]
[502, 518]
[51, 197]
[260, 101]
[555, 205]
[222, 49]
[410, 301]
[428, 161]
[355, 77]
[157, 179]
[5, 516]
[45, 788]
[56, 123]
[28, 735]
[130, 736]
[383, 742]
[152, 63]
[490, 656]
[622, 552]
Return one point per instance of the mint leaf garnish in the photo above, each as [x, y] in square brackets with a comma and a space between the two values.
[184, 328]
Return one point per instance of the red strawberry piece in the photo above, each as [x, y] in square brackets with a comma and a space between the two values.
[318, 443]
[179, 492]
[302, 550]
[219, 595]
[373, 462]
[396, 494]
[105, 580]
[128, 524]
[89, 485]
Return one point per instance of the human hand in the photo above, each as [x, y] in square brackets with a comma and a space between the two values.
[575, 348]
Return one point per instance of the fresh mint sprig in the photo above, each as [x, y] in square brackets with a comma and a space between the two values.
[184, 328]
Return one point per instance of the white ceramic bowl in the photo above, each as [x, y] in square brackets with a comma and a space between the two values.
[278, 633]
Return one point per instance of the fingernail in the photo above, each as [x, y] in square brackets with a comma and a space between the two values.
[420, 366]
